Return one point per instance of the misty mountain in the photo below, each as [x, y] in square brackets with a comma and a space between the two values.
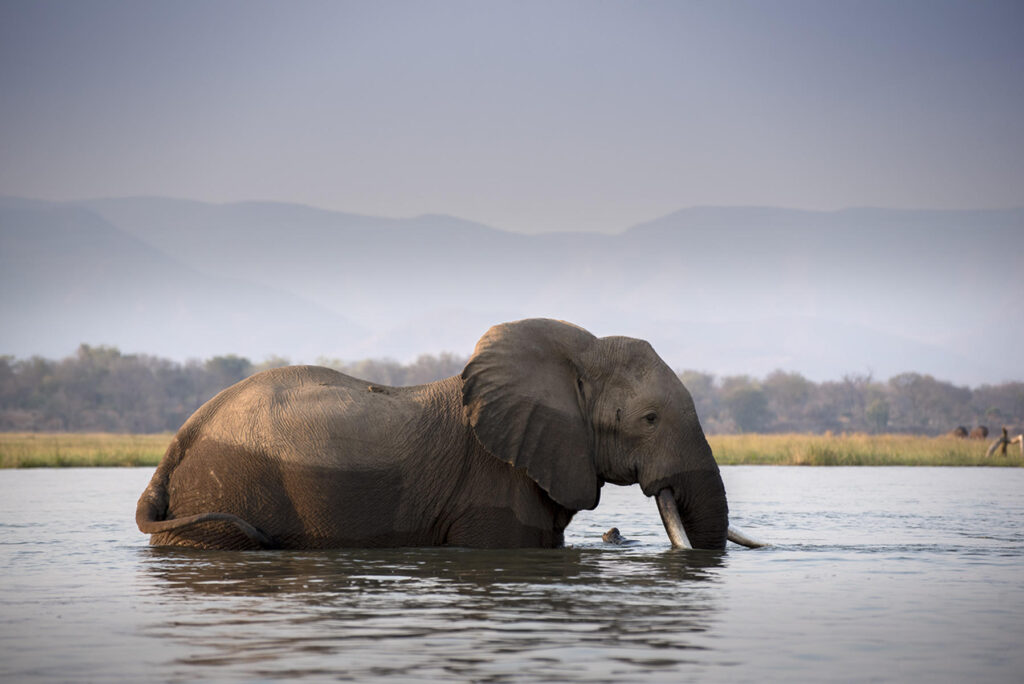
[68, 276]
[732, 290]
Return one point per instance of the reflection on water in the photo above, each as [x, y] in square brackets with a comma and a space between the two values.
[438, 612]
[465, 571]
[905, 574]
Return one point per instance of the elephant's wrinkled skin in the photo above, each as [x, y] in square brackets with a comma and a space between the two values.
[502, 456]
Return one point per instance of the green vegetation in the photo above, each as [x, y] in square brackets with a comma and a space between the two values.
[52, 450]
[68, 450]
[855, 450]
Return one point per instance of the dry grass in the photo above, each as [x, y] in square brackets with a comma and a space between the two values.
[54, 450]
[69, 450]
[856, 449]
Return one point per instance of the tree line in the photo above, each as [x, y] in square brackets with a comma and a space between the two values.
[909, 403]
[99, 389]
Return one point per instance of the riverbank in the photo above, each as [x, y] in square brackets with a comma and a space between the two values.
[63, 450]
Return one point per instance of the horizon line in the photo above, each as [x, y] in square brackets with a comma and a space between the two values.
[458, 217]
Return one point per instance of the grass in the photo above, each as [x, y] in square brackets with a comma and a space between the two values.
[857, 450]
[55, 450]
[69, 450]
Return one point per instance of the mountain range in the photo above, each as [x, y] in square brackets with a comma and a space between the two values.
[724, 290]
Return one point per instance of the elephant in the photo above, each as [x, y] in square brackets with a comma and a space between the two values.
[980, 432]
[960, 432]
[501, 456]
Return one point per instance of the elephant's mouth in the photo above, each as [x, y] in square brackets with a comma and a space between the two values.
[669, 511]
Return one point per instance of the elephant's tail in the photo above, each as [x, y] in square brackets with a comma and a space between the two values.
[153, 526]
[151, 511]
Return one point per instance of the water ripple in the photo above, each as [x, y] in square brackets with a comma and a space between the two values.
[916, 573]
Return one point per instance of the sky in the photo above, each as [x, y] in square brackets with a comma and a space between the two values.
[526, 116]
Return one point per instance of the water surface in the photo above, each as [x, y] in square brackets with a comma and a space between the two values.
[876, 574]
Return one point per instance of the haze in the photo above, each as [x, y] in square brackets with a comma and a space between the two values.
[526, 116]
[538, 117]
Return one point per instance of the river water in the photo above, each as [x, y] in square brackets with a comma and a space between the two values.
[875, 574]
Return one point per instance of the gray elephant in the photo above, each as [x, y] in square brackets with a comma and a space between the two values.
[502, 455]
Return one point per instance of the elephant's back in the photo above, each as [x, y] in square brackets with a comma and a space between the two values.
[306, 415]
[290, 377]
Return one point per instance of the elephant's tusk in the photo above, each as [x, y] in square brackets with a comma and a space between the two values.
[670, 518]
[740, 538]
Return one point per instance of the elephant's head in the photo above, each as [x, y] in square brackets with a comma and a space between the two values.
[576, 411]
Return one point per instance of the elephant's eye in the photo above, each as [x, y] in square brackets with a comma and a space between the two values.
[651, 418]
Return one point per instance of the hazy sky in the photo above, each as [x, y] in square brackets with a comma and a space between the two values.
[527, 116]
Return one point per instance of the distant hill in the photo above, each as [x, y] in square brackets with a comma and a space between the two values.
[726, 290]
[69, 276]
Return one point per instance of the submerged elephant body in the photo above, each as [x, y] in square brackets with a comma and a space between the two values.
[316, 459]
[501, 456]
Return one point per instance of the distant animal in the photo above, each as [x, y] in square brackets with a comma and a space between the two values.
[502, 455]
[980, 432]
[960, 431]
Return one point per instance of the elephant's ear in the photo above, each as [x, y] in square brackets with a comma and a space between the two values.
[522, 398]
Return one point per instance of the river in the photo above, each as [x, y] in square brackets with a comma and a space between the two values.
[874, 574]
